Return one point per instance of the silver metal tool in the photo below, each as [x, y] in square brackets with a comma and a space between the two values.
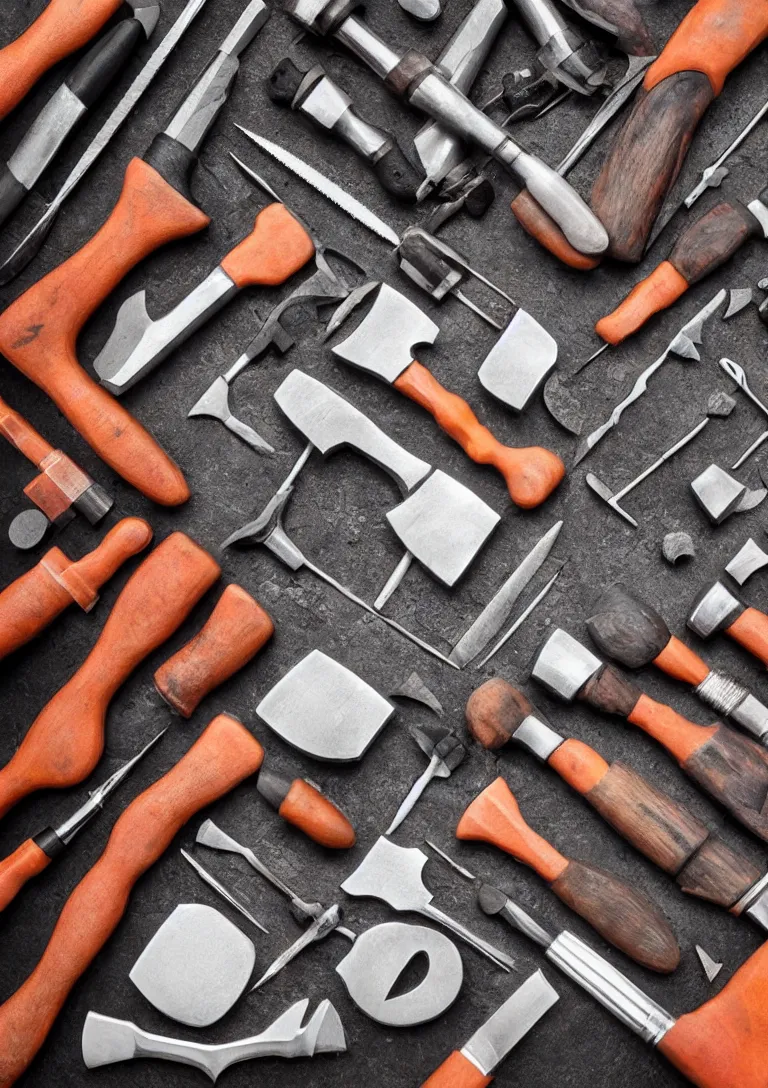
[220, 889]
[714, 609]
[426, 11]
[494, 615]
[683, 344]
[317, 930]
[519, 362]
[393, 874]
[413, 687]
[749, 559]
[106, 1041]
[574, 61]
[445, 753]
[710, 967]
[713, 176]
[31, 244]
[195, 967]
[521, 618]
[381, 955]
[720, 495]
[736, 372]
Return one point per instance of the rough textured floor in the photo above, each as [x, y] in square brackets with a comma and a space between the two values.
[337, 516]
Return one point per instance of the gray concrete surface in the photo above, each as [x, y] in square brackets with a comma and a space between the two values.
[338, 516]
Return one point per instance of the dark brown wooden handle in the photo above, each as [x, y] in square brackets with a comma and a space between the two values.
[619, 17]
[733, 769]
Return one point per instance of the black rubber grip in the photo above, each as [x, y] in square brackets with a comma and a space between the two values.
[173, 161]
[12, 192]
[50, 843]
[273, 786]
[397, 176]
[104, 62]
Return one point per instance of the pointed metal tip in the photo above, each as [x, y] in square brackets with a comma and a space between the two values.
[592, 358]
[581, 452]
[260, 181]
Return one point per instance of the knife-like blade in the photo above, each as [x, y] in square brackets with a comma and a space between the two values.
[491, 1043]
[494, 615]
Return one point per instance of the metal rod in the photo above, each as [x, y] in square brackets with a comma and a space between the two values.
[476, 309]
[210, 879]
[501, 959]
[661, 460]
[521, 618]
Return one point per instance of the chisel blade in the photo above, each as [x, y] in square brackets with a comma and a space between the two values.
[491, 1043]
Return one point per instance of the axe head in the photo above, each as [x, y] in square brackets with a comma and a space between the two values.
[519, 362]
[714, 610]
[383, 343]
[563, 665]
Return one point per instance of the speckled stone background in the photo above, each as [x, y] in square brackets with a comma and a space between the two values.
[337, 516]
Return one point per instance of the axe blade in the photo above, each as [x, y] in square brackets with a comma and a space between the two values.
[383, 342]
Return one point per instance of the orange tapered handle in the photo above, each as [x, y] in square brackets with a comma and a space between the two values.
[457, 1072]
[531, 474]
[23, 435]
[656, 292]
[38, 332]
[277, 248]
[64, 27]
[18, 868]
[750, 630]
[541, 226]
[35, 599]
[66, 740]
[681, 738]
[579, 765]
[724, 1044]
[680, 662]
[224, 756]
[305, 807]
[494, 816]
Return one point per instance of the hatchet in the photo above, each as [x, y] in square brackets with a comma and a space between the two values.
[717, 609]
[383, 345]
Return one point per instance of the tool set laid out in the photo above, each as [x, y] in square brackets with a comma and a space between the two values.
[307, 686]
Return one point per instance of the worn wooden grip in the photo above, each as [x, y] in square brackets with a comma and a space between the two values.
[19, 867]
[66, 740]
[681, 738]
[578, 765]
[619, 17]
[233, 634]
[457, 1072]
[531, 474]
[38, 332]
[541, 226]
[724, 1044]
[733, 769]
[305, 807]
[750, 630]
[494, 816]
[64, 27]
[23, 435]
[718, 873]
[277, 248]
[656, 292]
[225, 754]
[680, 662]
[714, 37]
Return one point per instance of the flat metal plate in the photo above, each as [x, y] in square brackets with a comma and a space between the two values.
[519, 362]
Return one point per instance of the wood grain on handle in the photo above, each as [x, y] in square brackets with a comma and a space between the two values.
[23, 435]
[531, 474]
[39, 331]
[541, 226]
[305, 808]
[750, 630]
[19, 867]
[35, 599]
[619, 17]
[733, 769]
[680, 662]
[66, 740]
[579, 765]
[63, 27]
[275, 250]
[224, 756]
[457, 1072]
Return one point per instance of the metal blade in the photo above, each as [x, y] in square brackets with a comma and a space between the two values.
[521, 618]
[414, 794]
[211, 881]
[317, 931]
[510, 1023]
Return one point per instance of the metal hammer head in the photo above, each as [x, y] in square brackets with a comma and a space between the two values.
[383, 343]
[519, 362]
[563, 665]
[715, 609]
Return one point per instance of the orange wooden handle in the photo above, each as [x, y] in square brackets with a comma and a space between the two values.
[457, 1072]
[277, 248]
[494, 816]
[66, 740]
[531, 474]
[656, 292]
[533, 219]
[750, 630]
[681, 738]
[129, 537]
[38, 333]
[679, 661]
[23, 435]
[18, 868]
[713, 38]
[63, 27]
[305, 807]
[234, 633]
[225, 754]
[724, 1044]
[579, 765]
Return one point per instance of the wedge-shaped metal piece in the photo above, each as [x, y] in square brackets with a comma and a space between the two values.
[325, 710]
[502, 1031]
[383, 342]
[749, 559]
[720, 495]
[519, 362]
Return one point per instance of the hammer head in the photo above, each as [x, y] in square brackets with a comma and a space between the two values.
[383, 343]
[563, 665]
[594, 483]
[626, 629]
[714, 610]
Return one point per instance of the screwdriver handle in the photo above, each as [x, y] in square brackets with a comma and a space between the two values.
[457, 1072]
[681, 663]
[750, 630]
[22, 435]
[35, 599]
[531, 474]
[22, 865]
[541, 226]
[38, 332]
[275, 250]
[224, 756]
[65, 742]
[64, 27]
[303, 806]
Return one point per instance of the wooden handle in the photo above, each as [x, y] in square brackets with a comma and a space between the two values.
[23, 435]
[457, 1072]
[66, 740]
[129, 537]
[724, 1044]
[733, 769]
[656, 292]
[494, 816]
[750, 630]
[531, 474]
[681, 738]
[18, 868]
[274, 251]
[679, 661]
[541, 226]
[718, 873]
[579, 765]
[621, 18]
[234, 633]
[495, 710]
[224, 756]
[64, 27]
[38, 332]
[305, 807]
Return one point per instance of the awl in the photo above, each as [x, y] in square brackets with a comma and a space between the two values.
[445, 753]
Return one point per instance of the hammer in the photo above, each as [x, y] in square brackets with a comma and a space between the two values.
[717, 609]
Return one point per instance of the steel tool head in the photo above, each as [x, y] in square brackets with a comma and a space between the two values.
[519, 362]
[131, 323]
[491, 1043]
[444, 525]
[392, 874]
[563, 665]
[715, 609]
[195, 967]
[438, 740]
[147, 12]
[383, 343]
[380, 956]
[720, 494]
[749, 559]
[325, 710]
[595, 484]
